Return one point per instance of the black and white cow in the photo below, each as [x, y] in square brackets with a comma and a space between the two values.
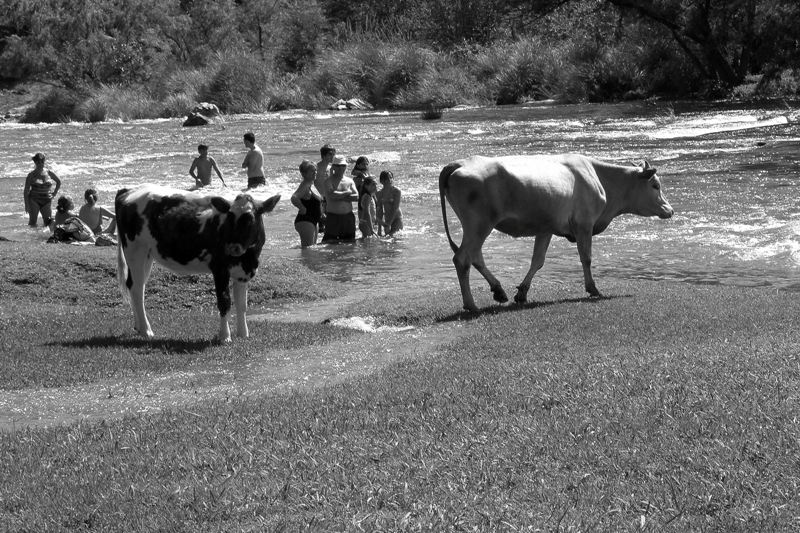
[189, 234]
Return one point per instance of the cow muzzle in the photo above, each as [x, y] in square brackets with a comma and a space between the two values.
[666, 211]
[234, 250]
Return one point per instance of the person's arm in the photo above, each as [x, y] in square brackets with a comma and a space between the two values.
[379, 215]
[301, 191]
[193, 172]
[107, 213]
[25, 192]
[55, 178]
[246, 160]
[216, 169]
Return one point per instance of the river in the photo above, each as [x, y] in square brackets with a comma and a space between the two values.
[730, 171]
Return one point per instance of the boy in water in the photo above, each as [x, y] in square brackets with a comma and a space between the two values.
[201, 168]
[253, 162]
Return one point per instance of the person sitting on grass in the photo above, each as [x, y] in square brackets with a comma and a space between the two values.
[93, 214]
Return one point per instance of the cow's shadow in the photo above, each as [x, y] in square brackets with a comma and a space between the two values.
[167, 345]
[498, 309]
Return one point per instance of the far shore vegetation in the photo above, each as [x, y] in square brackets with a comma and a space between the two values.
[146, 59]
[662, 406]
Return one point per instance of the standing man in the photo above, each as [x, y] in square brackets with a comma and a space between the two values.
[253, 162]
[340, 193]
[327, 152]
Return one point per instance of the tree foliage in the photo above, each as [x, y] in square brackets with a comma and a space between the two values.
[79, 44]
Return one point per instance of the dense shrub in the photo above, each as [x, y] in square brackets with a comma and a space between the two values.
[117, 102]
[56, 106]
[239, 84]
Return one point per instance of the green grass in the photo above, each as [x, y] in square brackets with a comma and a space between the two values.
[63, 322]
[661, 407]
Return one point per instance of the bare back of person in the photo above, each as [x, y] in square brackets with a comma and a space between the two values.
[92, 216]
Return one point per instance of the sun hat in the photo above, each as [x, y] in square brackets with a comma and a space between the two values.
[339, 160]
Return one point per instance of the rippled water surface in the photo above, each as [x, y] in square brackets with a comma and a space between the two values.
[730, 172]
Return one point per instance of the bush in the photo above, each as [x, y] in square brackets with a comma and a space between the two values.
[56, 106]
[523, 70]
[238, 84]
[117, 102]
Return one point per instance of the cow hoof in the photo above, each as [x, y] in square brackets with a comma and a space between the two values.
[499, 295]
[473, 310]
[522, 294]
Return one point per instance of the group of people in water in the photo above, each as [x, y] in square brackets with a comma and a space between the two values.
[42, 185]
[327, 210]
[330, 209]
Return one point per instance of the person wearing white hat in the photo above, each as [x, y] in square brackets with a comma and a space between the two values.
[340, 193]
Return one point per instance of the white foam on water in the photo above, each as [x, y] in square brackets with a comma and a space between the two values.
[365, 324]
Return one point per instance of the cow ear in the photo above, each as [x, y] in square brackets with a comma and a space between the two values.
[648, 171]
[221, 204]
[268, 204]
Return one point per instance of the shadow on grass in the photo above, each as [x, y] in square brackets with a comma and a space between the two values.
[167, 345]
[496, 309]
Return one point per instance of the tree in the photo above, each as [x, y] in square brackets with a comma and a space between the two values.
[719, 36]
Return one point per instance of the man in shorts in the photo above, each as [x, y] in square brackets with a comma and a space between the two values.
[253, 162]
[327, 152]
[340, 193]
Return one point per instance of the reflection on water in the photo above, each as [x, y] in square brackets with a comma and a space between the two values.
[729, 171]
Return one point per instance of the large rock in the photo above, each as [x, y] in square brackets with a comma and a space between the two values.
[206, 109]
[196, 119]
[353, 103]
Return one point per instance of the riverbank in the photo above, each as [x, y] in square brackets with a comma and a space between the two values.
[661, 406]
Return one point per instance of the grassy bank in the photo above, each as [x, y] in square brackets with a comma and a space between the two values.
[662, 407]
[63, 322]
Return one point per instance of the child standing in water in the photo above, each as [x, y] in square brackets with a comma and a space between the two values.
[367, 220]
[202, 166]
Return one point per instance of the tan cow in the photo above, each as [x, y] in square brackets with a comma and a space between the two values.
[571, 196]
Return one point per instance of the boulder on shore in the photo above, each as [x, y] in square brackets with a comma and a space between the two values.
[206, 109]
[353, 103]
[196, 119]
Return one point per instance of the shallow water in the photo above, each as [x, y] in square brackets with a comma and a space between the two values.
[730, 172]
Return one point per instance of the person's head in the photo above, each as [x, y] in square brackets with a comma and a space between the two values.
[202, 149]
[64, 204]
[90, 196]
[38, 158]
[249, 139]
[308, 170]
[339, 165]
[387, 178]
[327, 151]
[362, 164]
[369, 186]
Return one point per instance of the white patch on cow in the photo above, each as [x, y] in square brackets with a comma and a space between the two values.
[241, 206]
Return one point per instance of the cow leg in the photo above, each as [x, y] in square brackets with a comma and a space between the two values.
[138, 273]
[584, 241]
[469, 254]
[240, 300]
[221, 284]
[537, 262]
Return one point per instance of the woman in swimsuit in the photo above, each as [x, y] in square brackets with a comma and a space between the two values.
[38, 193]
[390, 217]
[93, 214]
[309, 206]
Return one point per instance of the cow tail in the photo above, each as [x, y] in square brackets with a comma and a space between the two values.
[443, 177]
[122, 275]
